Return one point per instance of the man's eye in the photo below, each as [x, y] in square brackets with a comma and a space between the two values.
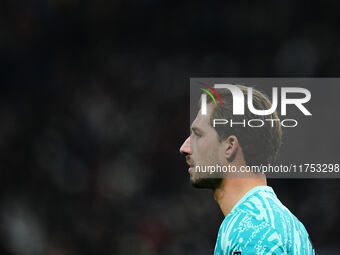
[197, 134]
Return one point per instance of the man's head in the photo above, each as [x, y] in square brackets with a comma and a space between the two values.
[225, 145]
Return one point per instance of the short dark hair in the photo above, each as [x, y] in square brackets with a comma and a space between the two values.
[259, 144]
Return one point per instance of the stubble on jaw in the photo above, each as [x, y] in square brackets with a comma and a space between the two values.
[207, 183]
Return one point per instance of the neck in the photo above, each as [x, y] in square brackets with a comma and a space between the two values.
[232, 190]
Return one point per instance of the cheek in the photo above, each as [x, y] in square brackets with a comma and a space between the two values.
[208, 143]
[207, 148]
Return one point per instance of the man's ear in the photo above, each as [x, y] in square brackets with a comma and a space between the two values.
[231, 147]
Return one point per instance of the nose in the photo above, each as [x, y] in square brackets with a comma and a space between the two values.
[185, 148]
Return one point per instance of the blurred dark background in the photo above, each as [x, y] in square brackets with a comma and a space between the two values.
[94, 104]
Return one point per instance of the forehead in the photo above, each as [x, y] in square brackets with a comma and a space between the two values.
[203, 121]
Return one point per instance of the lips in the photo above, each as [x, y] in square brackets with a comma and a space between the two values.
[189, 162]
[191, 165]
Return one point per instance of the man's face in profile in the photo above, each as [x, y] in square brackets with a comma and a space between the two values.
[202, 148]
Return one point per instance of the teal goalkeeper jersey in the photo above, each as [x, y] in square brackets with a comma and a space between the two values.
[260, 224]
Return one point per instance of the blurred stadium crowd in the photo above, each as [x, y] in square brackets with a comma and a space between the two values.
[94, 105]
